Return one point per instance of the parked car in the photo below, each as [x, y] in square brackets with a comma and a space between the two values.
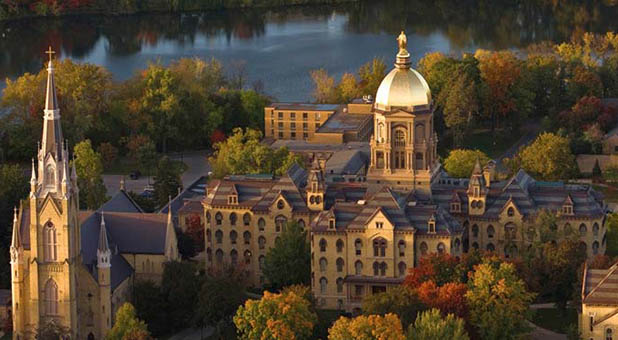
[148, 192]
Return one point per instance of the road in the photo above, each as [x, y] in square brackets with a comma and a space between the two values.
[197, 165]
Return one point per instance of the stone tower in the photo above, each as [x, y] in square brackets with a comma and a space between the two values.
[45, 276]
[315, 188]
[104, 265]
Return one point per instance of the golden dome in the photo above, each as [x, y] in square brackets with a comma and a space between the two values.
[403, 87]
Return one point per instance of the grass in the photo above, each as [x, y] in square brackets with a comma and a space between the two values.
[552, 319]
[125, 165]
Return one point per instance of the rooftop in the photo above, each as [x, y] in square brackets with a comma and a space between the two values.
[304, 106]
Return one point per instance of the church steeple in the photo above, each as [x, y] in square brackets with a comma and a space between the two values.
[16, 244]
[52, 133]
[103, 251]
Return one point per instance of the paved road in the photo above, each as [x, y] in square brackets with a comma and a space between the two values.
[197, 165]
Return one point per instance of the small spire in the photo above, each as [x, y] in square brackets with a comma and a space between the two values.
[169, 211]
[122, 183]
[103, 242]
[33, 176]
[477, 167]
[16, 239]
[51, 101]
[73, 171]
[170, 234]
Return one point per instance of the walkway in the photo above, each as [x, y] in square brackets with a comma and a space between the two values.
[539, 333]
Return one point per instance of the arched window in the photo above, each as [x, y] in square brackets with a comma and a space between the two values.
[383, 269]
[280, 223]
[510, 211]
[261, 262]
[358, 268]
[280, 204]
[218, 218]
[219, 256]
[490, 231]
[261, 242]
[323, 283]
[583, 247]
[51, 297]
[50, 175]
[261, 224]
[209, 254]
[608, 334]
[208, 235]
[419, 133]
[323, 264]
[233, 218]
[234, 257]
[400, 138]
[233, 236]
[423, 247]
[491, 247]
[246, 219]
[339, 245]
[402, 247]
[568, 230]
[208, 217]
[583, 229]
[441, 248]
[510, 231]
[49, 242]
[595, 247]
[247, 237]
[475, 231]
[322, 245]
[402, 268]
[595, 229]
[247, 255]
[379, 247]
[510, 251]
[358, 246]
[376, 268]
[339, 285]
[340, 264]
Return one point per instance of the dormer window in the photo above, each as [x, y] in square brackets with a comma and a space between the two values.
[331, 224]
[455, 207]
[432, 226]
[280, 204]
[379, 225]
[232, 199]
[567, 209]
[510, 211]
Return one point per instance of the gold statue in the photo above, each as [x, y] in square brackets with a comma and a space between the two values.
[403, 42]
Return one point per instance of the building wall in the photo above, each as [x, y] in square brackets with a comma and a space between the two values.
[147, 266]
[597, 332]
[293, 124]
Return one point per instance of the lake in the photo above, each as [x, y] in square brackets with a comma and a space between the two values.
[275, 49]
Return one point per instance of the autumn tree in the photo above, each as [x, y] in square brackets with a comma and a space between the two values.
[167, 181]
[371, 327]
[195, 230]
[127, 325]
[325, 89]
[439, 268]
[549, 157]
[430, 325]
[89, 168]
[498, 301]
[460, 162]
[284, 316]
[459, 105]
[399, 300]
[449, 298]
[289, 261]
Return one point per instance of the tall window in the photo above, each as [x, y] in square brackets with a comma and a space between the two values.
[233, 218]
[280, 222]
[323, 283]
[246, 219]
[261, 224]
[402, 268]
[218, 218]
[51, 297]
[358, 268]
[50, 178]
[424, 248]
[49, 242]
[608, 334]
[323, 264]
[358, 246]
[340, 264]
[379, 247]
[400, 138]
[339, 245]
[322, 245]
[402, 248]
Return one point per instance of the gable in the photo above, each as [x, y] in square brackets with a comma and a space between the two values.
[380, 221]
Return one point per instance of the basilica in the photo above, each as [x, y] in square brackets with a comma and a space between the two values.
[72, 269]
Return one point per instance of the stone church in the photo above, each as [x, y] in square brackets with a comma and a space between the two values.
[73, 268]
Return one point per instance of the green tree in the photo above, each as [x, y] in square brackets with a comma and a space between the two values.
[371, 327]
[460, 162]
[126, 324]
[399, 300]
[219, 298]
[430, 325]
[498, 301]
[89, 168]
[14, 187]
[146, 154]
[325, 90]
[167, 181]
[180, 286]
[289, 261]
[549, 157]
[148, 301]
[371, 75]
[612, 235]
[52, 331]
[276, 317]
[459, 105]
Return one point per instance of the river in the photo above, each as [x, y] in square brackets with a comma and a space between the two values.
[275, 49]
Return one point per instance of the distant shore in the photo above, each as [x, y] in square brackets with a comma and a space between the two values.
[42, 8]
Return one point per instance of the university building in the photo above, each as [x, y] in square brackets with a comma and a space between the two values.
[73, 269]
[370, 225]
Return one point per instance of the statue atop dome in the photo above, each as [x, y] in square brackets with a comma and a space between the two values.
[403, 43]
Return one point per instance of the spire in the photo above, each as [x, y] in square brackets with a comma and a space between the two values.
[477, 167]
[169, 211]
[33, 176]
[52, 133]
[170, 235]
[73, 171]
[16, 239]
[103, 242]
[51, 101]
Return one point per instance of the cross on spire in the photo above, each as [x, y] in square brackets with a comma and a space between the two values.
[50, 52]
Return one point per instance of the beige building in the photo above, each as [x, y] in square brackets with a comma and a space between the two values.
[73, 268]
[598, 318]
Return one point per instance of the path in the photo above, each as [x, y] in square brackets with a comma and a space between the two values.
[542, 333]
[532, 128]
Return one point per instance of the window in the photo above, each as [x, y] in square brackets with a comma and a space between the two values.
[340, 264]
[233, 236]
[441, 248]
[322, 245]
[510, 231]
[376, 269]
[293, 126]
[293, 115]
[280, 222]
[591, 322]
[358, 246]
[510, 211]
[323, 264]
[490, 231]
[491, 247]
[219, 236]
[379, 247]
[247, 237]
[233, 218]
[51, 297]
[340, 286]
[457, 244]
[358, 268]
[292, 135]
[261, 262]
[261, 224]
[339, 245]
[608, 334]
[305, 115]
[475, 231]
[424, 248]
[246, 219]
[402, 268]
[400, 138]
[317, 126]
[582, 229]
[49, 242]
[208, 236]
[218, 218]
[379, 225]
[247, 256]
[261, 242]
[208, 217]
[323, 283]
[358, 290]
[305, 135]
[234, 257]
[219, 256]
[280, 204]
[301, 224]
[595, 247]
[50, 176]
[595, 229]
[281, 133]
[280, 114]
[305, 126]
[317, 116]
[209, 254]
[402, 248]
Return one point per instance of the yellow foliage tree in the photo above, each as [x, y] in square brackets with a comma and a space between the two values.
[371, 327]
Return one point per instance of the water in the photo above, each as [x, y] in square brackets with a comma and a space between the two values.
[279, 47]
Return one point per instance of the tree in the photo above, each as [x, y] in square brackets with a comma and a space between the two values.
[195, 230]
[430, 325]
[459, 105]
[127, 325]
[52, 331]
[289, 261]
[460, 162]
[186, 246]
[612, 235]
[146, 155]
[148, 303]
[179, 287]
[549, 157]
[277, 317]
[371, 327]
[325, 91]
[89, 168]
[449, 298]
[219, 298]
[108, 153]
[167, 182]
[439, 268]
[371, 75]
[498, 301]
[399, 300]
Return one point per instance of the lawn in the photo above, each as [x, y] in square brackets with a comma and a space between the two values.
[483, 139]
[552, 319]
